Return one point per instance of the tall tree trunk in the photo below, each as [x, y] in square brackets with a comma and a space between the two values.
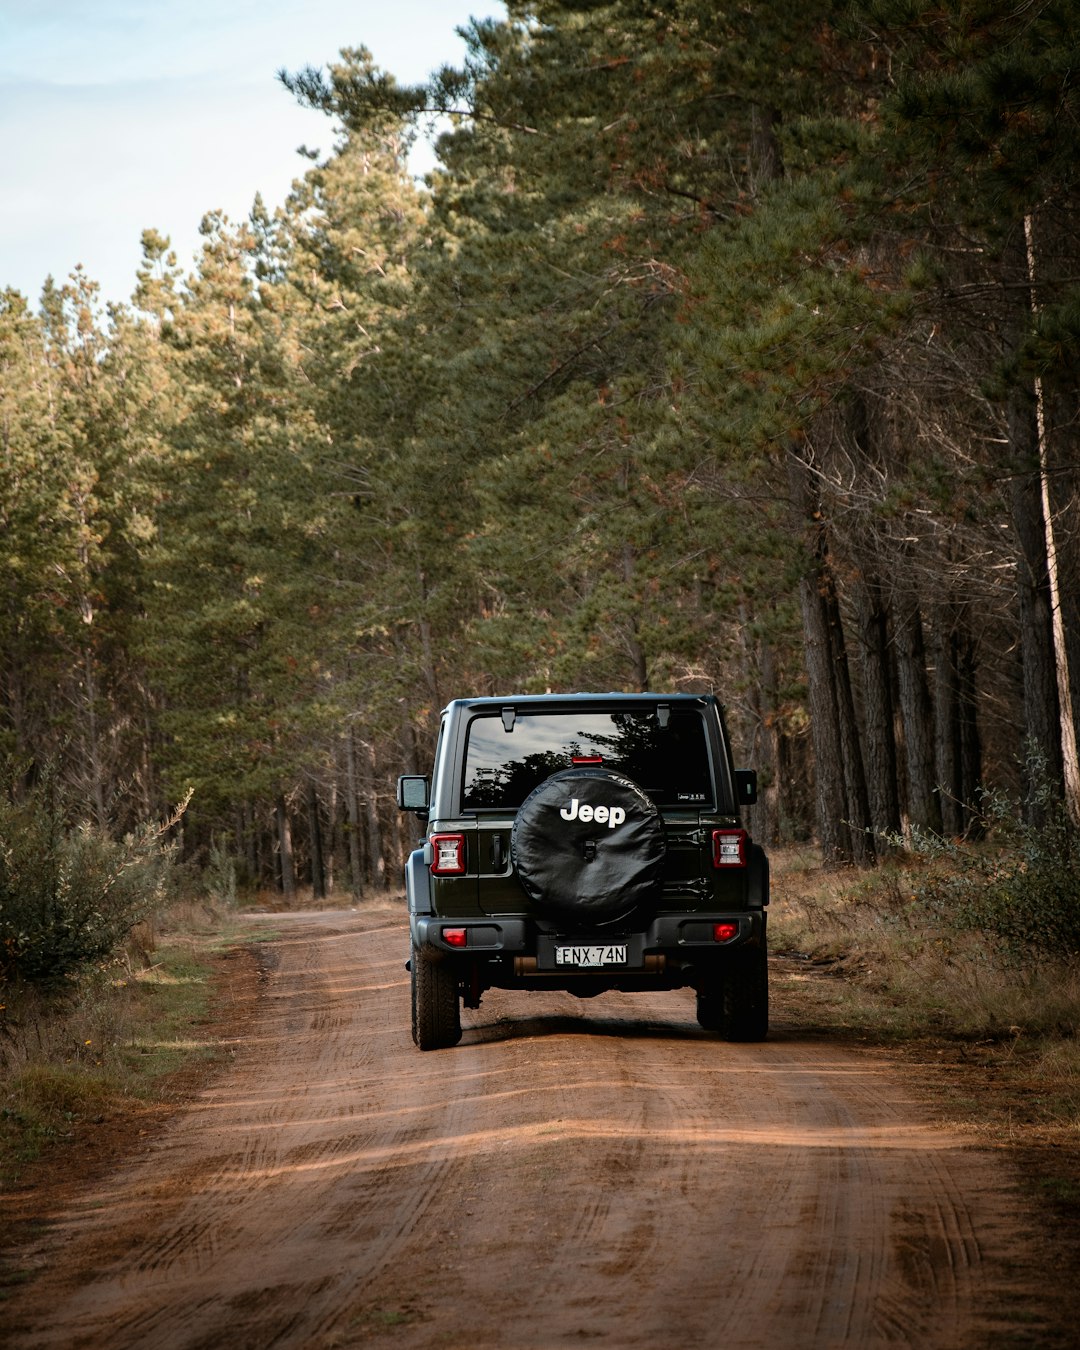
[1042, 714]
[411, 750]
[266, 872]
[93, 741]
[284, 831]
[760, 671]
[1066, 509]
[1063, 676]
[916, 710]
[427, 647]
[352, 817]
[766, 156]
[1064, 437]
[318, 875]
[376, 856]
[834, 834]
[773, 758]
[824, 727]
[330, 839]
[238, 830]
[250, 840]
[397, 851]
[841, 795]
[970, 739]
[947, 713]
[958, 753]
[145, 776]
[879, 730]
[858, 807]
[1041, 710]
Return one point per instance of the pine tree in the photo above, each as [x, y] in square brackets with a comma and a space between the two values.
[77, 511]
[984, 112]
[235, 556]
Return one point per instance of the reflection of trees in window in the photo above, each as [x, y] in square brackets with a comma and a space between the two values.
[633, 746]
[668, 762]
[510, 783]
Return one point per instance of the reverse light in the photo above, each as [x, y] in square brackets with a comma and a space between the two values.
[455, 937]
[724, 932]
[729, 848]
[448, 855]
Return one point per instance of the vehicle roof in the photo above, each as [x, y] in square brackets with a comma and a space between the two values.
[546, 700]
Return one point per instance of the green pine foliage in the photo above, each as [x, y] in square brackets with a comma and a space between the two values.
[704, 325]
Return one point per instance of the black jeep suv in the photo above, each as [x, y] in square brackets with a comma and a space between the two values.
[585, 842]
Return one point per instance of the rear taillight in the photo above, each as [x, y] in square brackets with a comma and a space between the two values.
[448, 855]
[455, 937]
[729, 848]
[724, 932]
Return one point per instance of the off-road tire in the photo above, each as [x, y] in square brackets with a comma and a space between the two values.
[745, 1004]
[436, 1012]
[710, 1001]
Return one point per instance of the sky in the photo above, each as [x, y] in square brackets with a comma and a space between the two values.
[118, 116]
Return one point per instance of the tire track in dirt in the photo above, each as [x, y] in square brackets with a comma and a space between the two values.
[601, 1171]
[777, 1224]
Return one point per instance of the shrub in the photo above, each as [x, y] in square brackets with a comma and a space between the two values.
[69, 894]
[1022, 886]
[219, 877]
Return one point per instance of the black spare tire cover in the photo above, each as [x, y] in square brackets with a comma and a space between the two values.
[588, 846]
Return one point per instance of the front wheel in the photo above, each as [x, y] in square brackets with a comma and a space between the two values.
[436, 1012]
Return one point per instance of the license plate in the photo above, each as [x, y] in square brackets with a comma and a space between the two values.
[591, 957]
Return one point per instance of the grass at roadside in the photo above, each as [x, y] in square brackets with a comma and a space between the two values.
[100, 1054]
[114, 1044]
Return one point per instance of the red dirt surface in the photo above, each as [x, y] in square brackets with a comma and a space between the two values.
[574, 1172]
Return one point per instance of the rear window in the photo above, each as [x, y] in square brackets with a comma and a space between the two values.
[670, 763]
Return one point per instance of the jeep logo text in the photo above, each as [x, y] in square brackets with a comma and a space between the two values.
[602, 815]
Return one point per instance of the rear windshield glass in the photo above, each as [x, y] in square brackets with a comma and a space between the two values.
[671, 763]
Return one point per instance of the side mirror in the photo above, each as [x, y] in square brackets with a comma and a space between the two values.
[412, 792]
[745, 787]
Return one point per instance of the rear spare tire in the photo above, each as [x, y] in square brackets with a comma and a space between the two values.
[588, 847]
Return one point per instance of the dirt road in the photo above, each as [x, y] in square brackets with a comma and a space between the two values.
[573, 1173]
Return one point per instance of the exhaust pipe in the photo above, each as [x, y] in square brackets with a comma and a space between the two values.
[655, 963]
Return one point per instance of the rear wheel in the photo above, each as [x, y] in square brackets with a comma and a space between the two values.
[745, 1002]
[436, 1012]
[710, 1001]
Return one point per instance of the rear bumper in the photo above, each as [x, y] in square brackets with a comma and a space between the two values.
[685, 936]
